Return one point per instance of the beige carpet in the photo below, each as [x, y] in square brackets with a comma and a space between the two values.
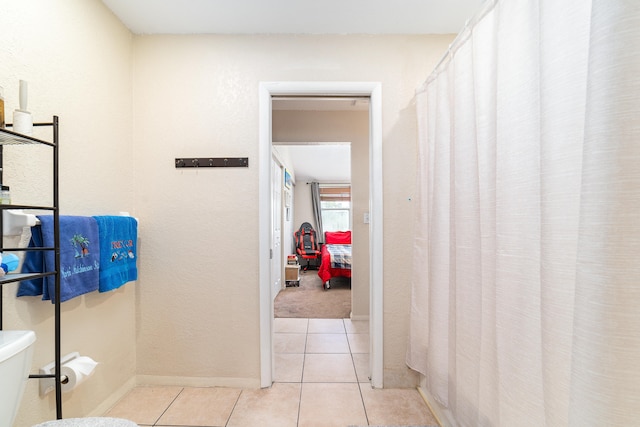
[309, 300]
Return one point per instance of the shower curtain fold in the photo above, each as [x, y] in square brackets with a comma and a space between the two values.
[526, 282]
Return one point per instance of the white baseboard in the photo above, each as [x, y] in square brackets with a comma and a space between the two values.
[359, 317]
[109, 402]
[443, 415]
[250, 383]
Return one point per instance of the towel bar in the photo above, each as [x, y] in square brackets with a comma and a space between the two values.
[14, 220]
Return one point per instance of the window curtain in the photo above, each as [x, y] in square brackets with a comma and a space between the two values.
[317, 210]
[525, 306]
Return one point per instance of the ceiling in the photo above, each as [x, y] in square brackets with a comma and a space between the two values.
[327, 163]
[294, 16]
[324, 163]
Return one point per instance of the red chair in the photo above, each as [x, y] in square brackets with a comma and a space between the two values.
[307, 245]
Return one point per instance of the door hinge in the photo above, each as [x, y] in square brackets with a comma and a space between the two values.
[270, 253]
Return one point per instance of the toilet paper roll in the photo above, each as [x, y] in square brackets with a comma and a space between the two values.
[22, 122]
[77, 371]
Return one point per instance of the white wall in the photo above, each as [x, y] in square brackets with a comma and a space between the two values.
[198, 96]
[76, 57]
[304, 205]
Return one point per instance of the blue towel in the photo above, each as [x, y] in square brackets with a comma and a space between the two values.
[118, 248]
[79, 258]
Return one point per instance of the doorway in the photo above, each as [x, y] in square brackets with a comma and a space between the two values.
[373, 91]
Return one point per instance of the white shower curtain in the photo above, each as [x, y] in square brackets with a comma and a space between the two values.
[526, 292]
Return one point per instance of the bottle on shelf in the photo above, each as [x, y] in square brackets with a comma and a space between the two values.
[5, 195]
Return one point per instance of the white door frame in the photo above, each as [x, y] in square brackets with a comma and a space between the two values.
[374, 91]
[276, 206]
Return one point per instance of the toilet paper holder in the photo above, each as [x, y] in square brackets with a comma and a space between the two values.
[49, 384]
[14, 221]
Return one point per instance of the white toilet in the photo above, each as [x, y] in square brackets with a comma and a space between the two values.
[16, 352]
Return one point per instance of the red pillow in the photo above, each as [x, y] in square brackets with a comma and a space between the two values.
[337, 237]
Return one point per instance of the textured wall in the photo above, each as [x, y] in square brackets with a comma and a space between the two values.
[76, 57]
[198, 96]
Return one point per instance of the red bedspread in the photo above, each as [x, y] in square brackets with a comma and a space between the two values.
[325, 272]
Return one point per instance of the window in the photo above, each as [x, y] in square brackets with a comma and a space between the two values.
[335, 204]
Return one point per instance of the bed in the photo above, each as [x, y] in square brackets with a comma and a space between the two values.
[335, 256]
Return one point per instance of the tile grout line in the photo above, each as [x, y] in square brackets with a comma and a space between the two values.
[155, 423]
[366, 415]
[304, 359]
[235, 405]
[304, 356]
[353, 362]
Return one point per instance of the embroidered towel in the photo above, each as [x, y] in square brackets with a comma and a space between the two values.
[118, 249]
[79, 258]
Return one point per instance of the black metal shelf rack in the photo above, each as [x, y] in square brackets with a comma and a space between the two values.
[8, 138]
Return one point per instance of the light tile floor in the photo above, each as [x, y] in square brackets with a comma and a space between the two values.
[320, 380]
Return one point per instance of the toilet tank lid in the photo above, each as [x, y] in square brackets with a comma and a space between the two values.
[13, 342]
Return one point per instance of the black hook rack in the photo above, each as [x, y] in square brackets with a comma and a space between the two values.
[212, 162]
